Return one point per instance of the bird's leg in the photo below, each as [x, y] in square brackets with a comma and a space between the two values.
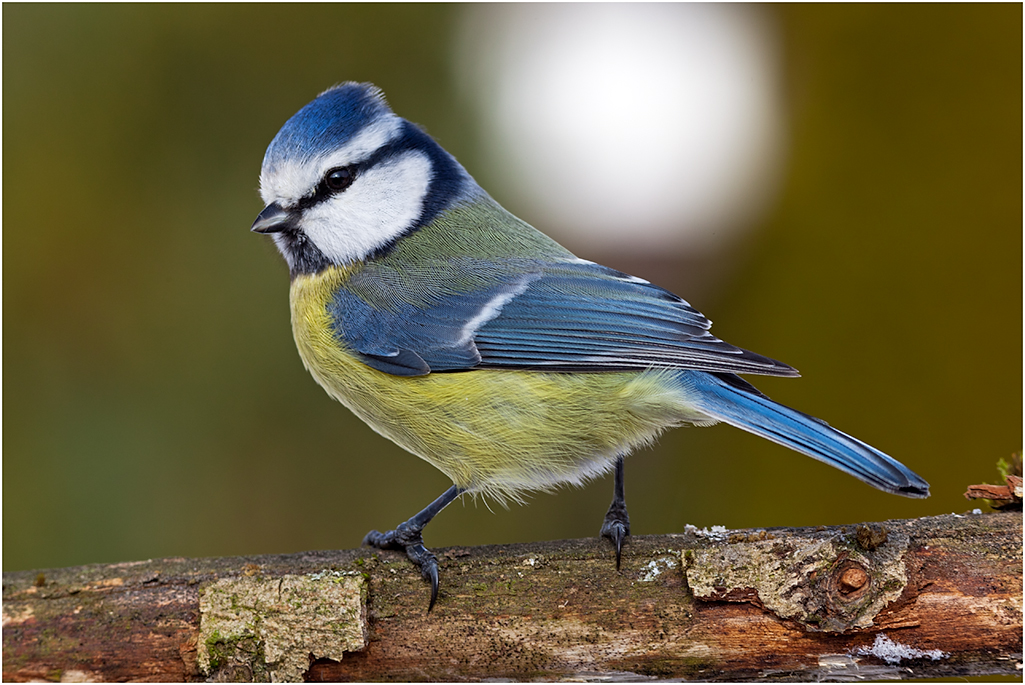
[617, 523]
[408, 537]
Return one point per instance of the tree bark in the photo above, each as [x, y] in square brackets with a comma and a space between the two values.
[926, 598]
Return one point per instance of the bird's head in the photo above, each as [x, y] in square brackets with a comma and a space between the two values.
[345, 178]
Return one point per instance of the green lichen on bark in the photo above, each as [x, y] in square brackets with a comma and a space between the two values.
[266, 629]
[800, 578]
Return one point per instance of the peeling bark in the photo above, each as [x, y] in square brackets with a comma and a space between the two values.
[932, 597]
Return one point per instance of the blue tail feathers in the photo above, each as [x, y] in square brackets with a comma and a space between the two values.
[732, 400]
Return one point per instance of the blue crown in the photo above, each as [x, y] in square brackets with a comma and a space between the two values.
[334, 117]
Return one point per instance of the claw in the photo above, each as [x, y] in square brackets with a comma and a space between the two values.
[375, 539]
[616, 531]
[428, 565]
[408, 537]
[429, 572]
[409, 540]
[617, 523]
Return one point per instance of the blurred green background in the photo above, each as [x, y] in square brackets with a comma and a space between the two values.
[155, 404]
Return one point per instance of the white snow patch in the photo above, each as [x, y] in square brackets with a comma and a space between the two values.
[328, 573]
[893, 652]
[717, 533]
[655, 567]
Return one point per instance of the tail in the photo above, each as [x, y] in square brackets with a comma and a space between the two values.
[733, 400]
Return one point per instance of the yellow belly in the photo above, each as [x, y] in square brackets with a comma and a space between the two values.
[497, 432]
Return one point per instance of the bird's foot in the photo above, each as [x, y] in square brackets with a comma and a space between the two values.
[616, 527]
[410, 540]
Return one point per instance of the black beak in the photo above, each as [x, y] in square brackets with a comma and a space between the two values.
[273, 219]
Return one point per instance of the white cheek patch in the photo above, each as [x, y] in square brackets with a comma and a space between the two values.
[287, 182]
[381, 204]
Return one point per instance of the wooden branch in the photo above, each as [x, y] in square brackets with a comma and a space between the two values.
[933, 597]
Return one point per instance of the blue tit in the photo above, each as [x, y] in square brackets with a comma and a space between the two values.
[482, 346]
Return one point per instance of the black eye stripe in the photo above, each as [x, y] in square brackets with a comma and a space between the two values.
[335, 180]
[323, 189]
[412, 139]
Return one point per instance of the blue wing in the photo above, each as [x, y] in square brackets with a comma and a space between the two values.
[554, 316]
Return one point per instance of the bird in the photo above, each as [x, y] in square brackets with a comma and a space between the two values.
[484, 347]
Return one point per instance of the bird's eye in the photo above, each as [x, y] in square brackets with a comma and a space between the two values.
[339, 178]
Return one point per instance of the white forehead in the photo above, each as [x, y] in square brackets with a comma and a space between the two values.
[286, 181]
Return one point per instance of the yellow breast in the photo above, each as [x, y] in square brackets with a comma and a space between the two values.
[493, 431]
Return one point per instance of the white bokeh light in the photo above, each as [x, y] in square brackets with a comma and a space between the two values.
[641, 127]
